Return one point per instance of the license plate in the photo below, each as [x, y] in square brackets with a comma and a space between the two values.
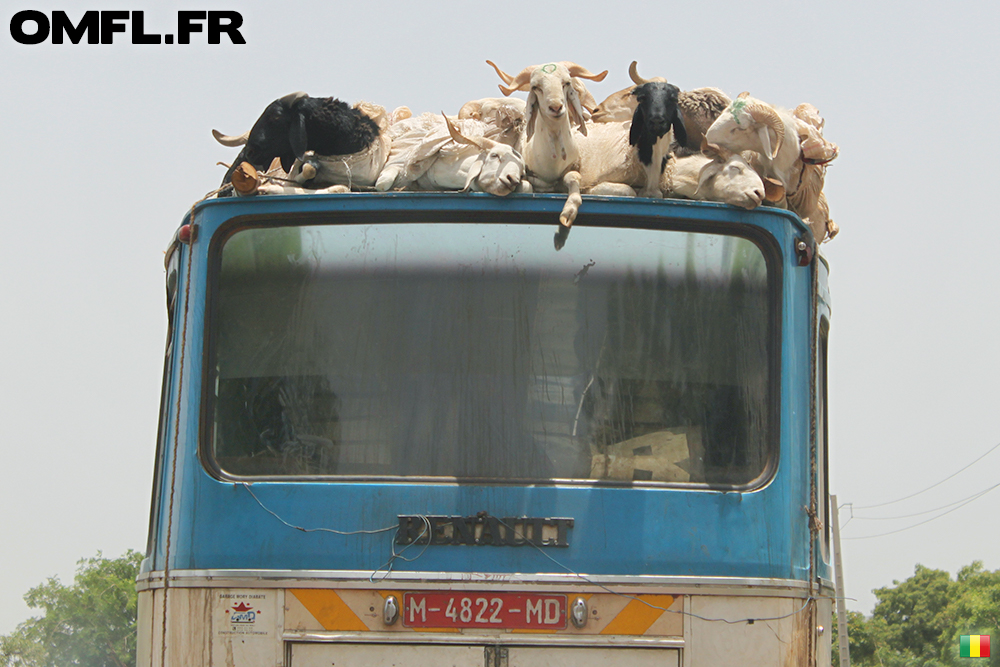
[505, 611]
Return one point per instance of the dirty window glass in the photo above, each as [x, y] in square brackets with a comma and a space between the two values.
[477, 351]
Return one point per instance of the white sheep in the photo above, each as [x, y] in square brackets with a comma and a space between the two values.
[430, 152]
[504, 118]
[779, 139]
[551, 154]
[716, 174]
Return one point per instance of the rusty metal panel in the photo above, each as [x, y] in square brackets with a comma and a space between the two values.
[781, 642]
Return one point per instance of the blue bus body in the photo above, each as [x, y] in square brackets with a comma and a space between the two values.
[765, 540]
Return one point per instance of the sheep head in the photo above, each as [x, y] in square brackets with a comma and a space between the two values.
[655, 113]
[563, 80]
[498, 169]
[747, 125]
[280, 132]
[729, 178]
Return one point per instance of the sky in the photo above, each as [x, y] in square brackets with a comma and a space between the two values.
[109, 145]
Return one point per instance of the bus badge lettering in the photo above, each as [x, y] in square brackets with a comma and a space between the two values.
[484, 530]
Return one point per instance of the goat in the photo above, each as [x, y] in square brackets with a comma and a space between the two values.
[551, 154]
[430, 153]
[716, 174]
[297, 123]
[698, 109]
[779, 138]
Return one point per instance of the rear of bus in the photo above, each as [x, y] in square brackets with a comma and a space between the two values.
[404, 430]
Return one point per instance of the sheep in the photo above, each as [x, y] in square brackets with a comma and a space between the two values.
[551, 154]
[698, 109]
[716, 174]
[297, 123]
[504, 118]
[430, 153]
[615, 157]
[749, 124]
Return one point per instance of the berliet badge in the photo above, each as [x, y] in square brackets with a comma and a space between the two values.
[484, 530]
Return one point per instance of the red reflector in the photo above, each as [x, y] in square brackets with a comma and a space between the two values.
[184, 235]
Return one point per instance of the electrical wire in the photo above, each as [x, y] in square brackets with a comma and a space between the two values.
[910, 516]
[868, 507]
[314, 530]
[748, 621]
[893, 532]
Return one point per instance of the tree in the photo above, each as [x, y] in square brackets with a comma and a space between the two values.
[918, 622]
[89, 624]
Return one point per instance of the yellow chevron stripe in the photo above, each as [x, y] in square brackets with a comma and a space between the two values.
[638, 616]
[328, 609]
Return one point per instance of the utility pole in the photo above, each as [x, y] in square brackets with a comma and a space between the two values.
[845, 653]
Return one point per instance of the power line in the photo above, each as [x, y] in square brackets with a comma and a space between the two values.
[893, 532]
[910, 516]
[868, 507]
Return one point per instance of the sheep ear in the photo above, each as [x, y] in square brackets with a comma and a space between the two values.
[765, 140]
[774, 191]
[474, 171]
[297, 136]
[530, 111]
[680, 132]
[576, 110]
[638, 124]
[705, 175]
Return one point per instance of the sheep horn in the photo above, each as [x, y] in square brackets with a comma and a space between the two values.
[231, 141]
[507, 78]
[291, 98]
[633, 73]
[583, 72]
[520, 82]
[767, 116]
[480, 142]
[715, 151]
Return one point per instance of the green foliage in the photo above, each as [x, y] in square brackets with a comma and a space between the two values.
[90, 624]
[918, 622]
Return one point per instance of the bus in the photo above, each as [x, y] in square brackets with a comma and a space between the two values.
[403, 429]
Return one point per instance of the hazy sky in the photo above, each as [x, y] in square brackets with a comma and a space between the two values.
[108, 146]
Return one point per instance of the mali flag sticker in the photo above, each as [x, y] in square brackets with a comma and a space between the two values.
[974, 646]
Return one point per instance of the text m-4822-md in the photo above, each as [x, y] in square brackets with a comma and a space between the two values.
[100, 27]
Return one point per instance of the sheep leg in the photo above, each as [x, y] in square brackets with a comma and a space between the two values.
[571, 181]
[388, 178]
[652, 173]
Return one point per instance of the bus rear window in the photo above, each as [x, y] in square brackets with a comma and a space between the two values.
[477, 352]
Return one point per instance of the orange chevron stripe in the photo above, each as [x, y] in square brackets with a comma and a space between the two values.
[328, 609]
[638, 616]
